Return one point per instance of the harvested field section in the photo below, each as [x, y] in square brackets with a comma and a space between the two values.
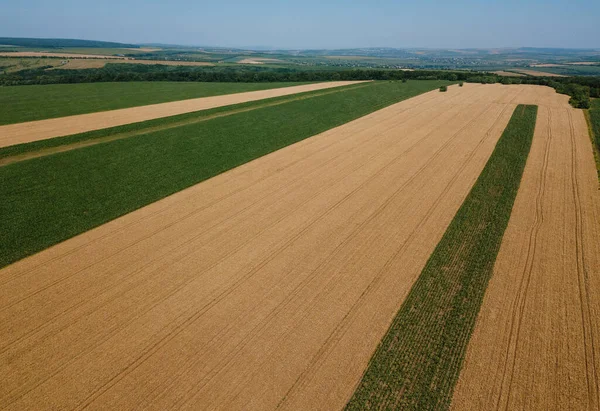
[536, 345]
[539, 73]
[44, 129]
[418, 361]
[259, 60]
[267, 285]
[508, 73]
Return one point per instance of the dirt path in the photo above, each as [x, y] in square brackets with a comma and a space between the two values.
[267, 286]
[536, 345]
[56, 127]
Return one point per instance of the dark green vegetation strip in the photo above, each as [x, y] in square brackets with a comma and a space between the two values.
[417, 364]
[49, 199]
[594, 124]
[28, 103]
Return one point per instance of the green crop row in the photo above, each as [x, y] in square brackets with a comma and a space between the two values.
[49, 199]
[164, 123]
[594, 123]
[417, 363]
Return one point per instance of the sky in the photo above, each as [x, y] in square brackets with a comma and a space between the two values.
[311, 23]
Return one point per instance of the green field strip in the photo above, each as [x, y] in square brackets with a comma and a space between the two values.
[418, 361]
[40, 102]
[50, 199]
[593, 119]
[42, 148]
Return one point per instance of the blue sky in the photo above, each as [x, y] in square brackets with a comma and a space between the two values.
[311, 23]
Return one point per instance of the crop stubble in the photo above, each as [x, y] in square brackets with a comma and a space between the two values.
[269, 285]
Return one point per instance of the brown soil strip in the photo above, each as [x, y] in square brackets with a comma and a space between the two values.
[87, 143]
[44, 129]
[547, 65]
[146, 49]
[78, 64]
[537, 73]
[508, 74]
[536, 345]
[258, 60]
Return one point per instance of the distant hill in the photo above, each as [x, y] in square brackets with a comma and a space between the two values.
[62, 43]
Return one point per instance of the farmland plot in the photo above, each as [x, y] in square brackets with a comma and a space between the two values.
[536, 345]
[38, 102]
[56, 196]
[417, 363]
[44, 129]
[267, 286]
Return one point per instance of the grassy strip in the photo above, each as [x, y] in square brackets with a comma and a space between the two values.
[593, 118]
[28, 103]
[417, 363]
[49, 199]
[149, 126]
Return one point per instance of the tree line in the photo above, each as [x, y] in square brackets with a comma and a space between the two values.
[579, 88]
